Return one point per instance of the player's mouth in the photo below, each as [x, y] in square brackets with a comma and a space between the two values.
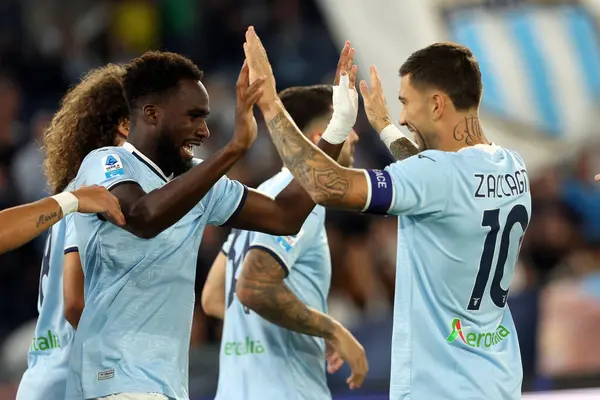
[188, 147]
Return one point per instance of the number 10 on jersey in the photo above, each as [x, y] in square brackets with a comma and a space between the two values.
[491, 218]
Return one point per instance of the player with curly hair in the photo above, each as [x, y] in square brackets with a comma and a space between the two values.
[93, 114]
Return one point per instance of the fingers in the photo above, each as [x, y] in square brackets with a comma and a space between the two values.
[375, 81]
[365, 93]
[342, 62]
[352, 75]
[254, 92]
[114, 210]
[243, 79]
[334, 363]
[358, 375]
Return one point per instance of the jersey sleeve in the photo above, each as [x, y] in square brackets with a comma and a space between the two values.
[419, 185]
[226, 200]
[70, 235]
[287, 249]
[108, 168]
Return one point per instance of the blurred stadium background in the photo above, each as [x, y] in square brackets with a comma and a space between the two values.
[541, 67]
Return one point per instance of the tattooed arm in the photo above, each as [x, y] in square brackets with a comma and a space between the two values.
[324, 180]
[18, 225]
[261, 288]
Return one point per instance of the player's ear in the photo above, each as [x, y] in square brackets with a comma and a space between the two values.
[150, 114]
[437, 106]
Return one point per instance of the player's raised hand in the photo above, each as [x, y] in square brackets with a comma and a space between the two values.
[259, 66]
[375, 104]
[597, 177]
[351, 351]
[96, 199]
[246, 96]
[346, 63]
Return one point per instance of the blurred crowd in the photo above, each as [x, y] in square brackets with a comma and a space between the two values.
[46, 45]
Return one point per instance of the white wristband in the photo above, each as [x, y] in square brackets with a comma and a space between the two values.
[390, 134]
[67, 201]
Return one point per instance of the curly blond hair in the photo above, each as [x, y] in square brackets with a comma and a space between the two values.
[88, 119]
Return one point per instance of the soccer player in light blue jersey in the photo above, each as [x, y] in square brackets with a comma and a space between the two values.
[92, 115]
[133, 337]
[282, 287]
[463, 205]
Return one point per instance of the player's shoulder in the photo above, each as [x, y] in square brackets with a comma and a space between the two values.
[109, 154]
[427, 162]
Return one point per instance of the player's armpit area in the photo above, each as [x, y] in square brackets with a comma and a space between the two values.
[261, 288]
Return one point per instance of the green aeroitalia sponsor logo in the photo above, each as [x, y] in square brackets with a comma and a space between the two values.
[247, 347]
[476, 339]
[48, 342]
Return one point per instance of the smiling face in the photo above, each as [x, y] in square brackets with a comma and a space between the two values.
[416, 113]
[183, 124]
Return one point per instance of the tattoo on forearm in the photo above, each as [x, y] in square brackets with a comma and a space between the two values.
[403, 148]
[44, 219]
[468, 131]
[262, 283]
[309, 166]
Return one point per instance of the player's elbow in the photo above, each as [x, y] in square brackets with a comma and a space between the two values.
[73, 310]
[286, 224]
[248, 296]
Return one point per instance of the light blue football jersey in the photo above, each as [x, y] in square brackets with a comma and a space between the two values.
[462, 216]
[134, 333]
[48, 357]
[260, 360]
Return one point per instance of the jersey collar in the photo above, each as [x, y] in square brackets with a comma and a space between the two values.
[155, 168]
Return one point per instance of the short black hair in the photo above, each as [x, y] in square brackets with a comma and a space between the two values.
[307, 103]
[156, 73]
[449, 67]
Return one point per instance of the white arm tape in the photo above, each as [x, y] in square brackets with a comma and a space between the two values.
[390, 134]
[337, 132]
[67, 201]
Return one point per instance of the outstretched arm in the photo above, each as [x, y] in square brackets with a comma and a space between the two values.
[282, 215]
[19, 225]
[285, 214]
[324, 180]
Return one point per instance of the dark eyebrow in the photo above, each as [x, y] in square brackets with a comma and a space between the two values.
[198, 112]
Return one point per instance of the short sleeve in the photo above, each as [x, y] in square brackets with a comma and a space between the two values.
[227, 198]
[70, 235]
[287, 249]
[107, 167]
[419, 185]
